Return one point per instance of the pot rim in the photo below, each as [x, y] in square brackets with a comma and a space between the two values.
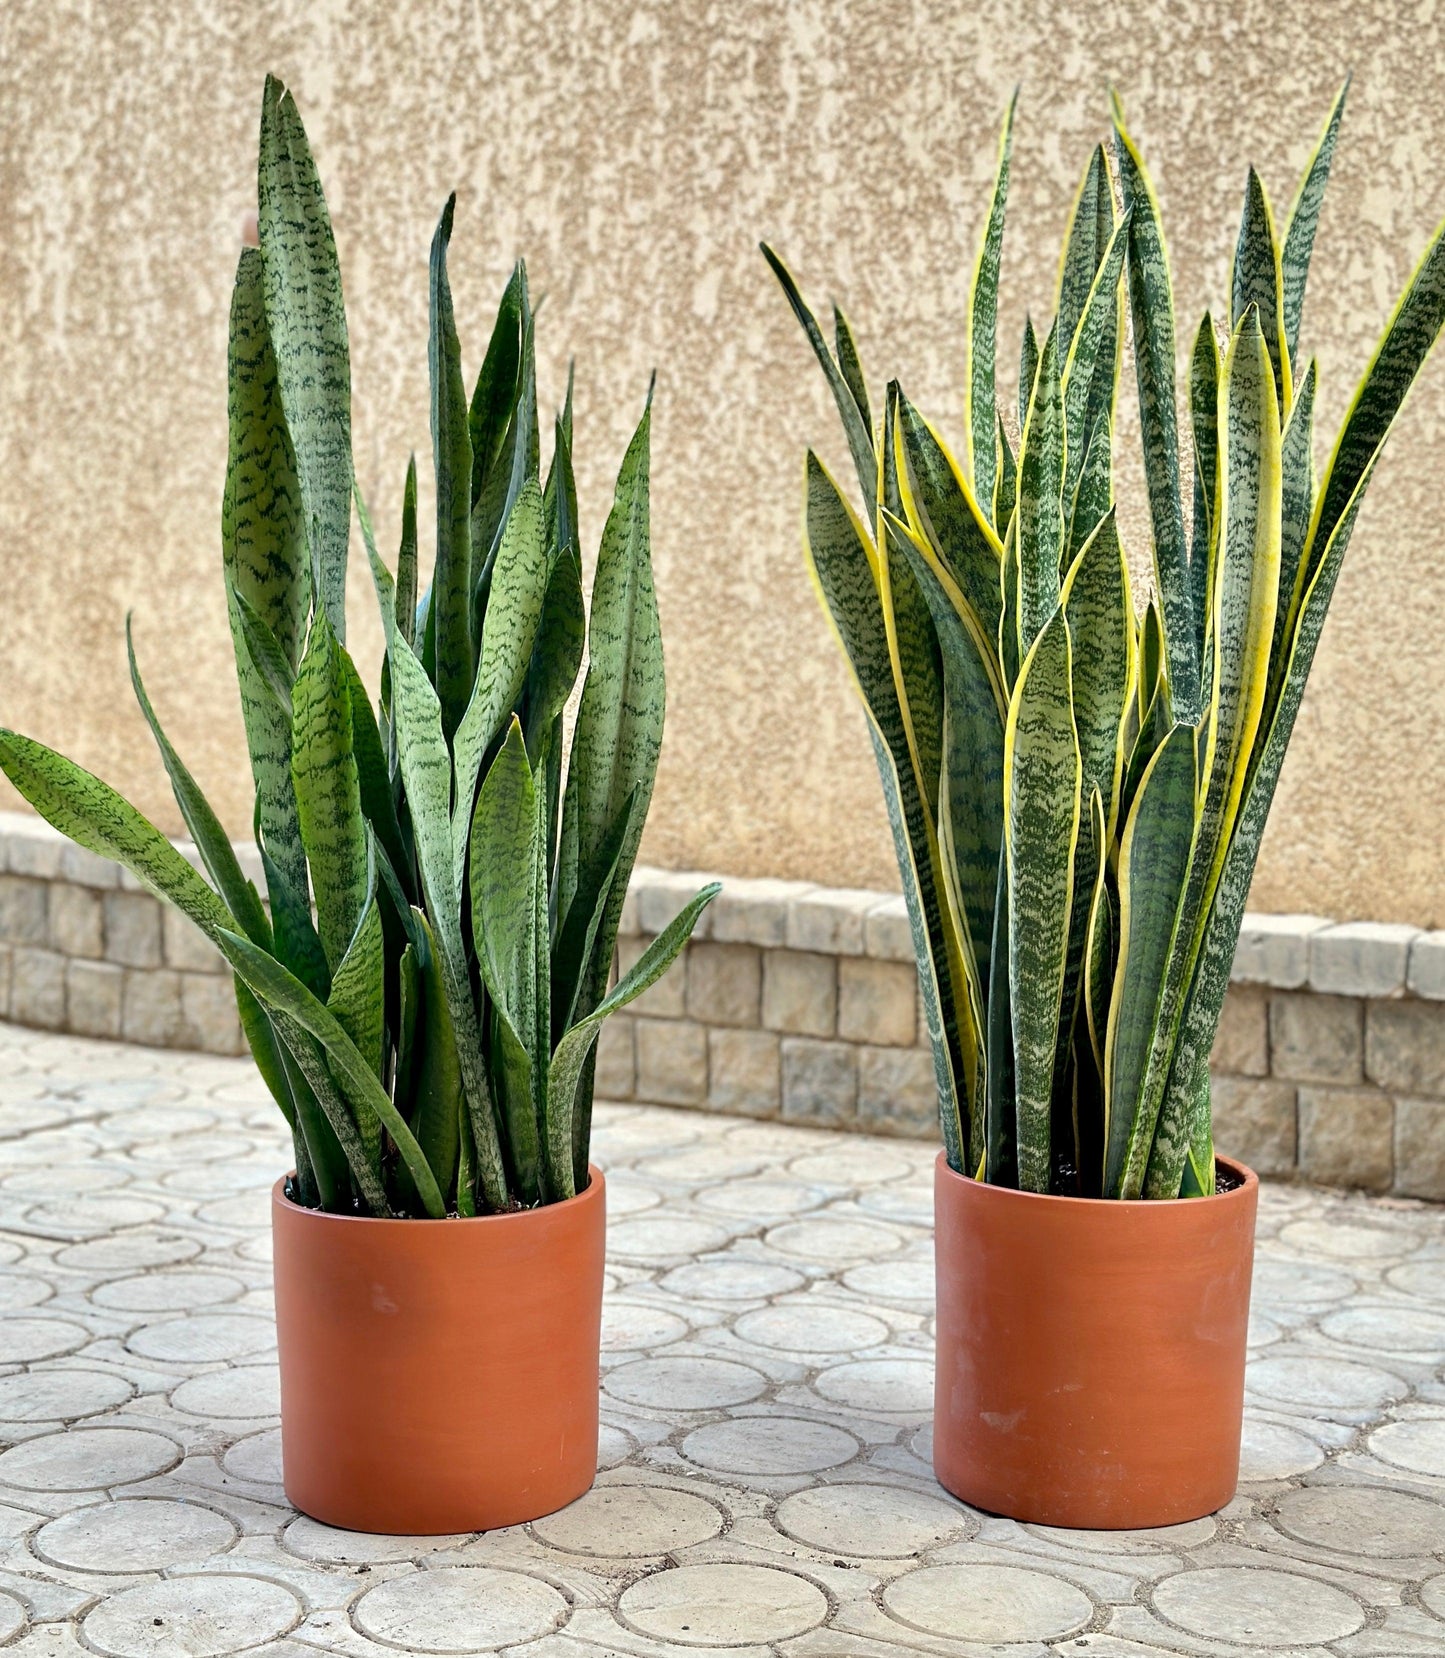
[1248, 1184]
[591, 1193]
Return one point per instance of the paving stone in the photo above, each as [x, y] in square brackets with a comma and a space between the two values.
[809, 1326]
[1420, 1148]
[133, 929]
[201, 1617]
[1347, 1137]
[988, 1604]
[723, 1605]
[879, 1522]
[148, 1535]
[1361, 958]
[87, 1459]
[671, 1061]
[1271, 1451]
[800, 992]
[613, 1520]
[1405, 1047]
[667, 999]
[820, 1081]
[730, 1278]
[1254, 1120]
[37, 987]
[884, 1387]
[1241, 1045]
[877, 1002]
[684, 1383]
[897, 1091]
[769, 1445]
[745, 1072]
[1298, 1379]
[248, 1391]
[93, 994]
[1258, 1607]
[60, 1395]
[616, 1072]
[460, 1609]
[1368, 1520]
[76, 921]
[1315, 1038]
[1417, 1444]
[724, 983]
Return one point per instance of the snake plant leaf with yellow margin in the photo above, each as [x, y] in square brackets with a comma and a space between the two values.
[1091, 226]
[1258, 281]
[1204, 369]
[981, 333]
[1041, 827]
[842, 562]
[1100, 609]
[451, 588]
[850, 367]
[1092, 341]
[1297, 497]
[1005, 483]
[913, 650]
[1151, 304]
[1094, 494]
[306, 321]
[1039, 513]
[1304, 218]
[1028, 369]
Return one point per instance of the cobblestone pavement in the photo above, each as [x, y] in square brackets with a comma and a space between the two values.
[765, 1484]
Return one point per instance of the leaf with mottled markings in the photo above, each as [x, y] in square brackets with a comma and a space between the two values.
[358, 999]
[1005, 483]
[850, 365]
[980, 397]
[1258, 281]
[1039, 514]
[307, 323]
[1297, 499]
[1204, 370]
[1100, 613]
[495, 397]
[1304, 218]
[1094, 493]
[1091, 349]
[1028, 369]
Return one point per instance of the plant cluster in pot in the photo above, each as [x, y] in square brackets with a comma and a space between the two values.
[428, 1030]
[1077, 792]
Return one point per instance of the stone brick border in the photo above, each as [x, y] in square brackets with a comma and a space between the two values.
[800, 1002]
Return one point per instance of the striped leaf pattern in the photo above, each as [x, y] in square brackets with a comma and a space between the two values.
[1076, 870]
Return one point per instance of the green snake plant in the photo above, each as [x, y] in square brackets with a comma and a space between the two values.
[1078, 788]
[422, 990]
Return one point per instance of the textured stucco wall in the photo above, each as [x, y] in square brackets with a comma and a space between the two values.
[635, 152]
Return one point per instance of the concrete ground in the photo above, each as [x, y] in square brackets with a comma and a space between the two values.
[765, 1483]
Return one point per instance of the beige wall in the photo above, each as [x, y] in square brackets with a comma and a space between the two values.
[636, 152]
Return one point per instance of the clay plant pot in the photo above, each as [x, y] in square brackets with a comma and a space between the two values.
[1091, 1353]
[439, 1376]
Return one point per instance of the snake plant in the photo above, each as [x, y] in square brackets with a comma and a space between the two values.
[428, 1028]
[1078, 787]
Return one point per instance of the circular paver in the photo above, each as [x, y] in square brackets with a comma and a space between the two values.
[19, 1290]
[851, 1165]
[1417, 1444]
[891, 1386]
[723, 1605]
[26, 1340]
[706, 1162]
[1271, 1451]
[129, 1252]
[879, 1522]
[630, 1197]
[460, 1609]
[206, 1338]
[53, 1395]
[1432, 1596]
[911, 1204]
[1325, 1384]
[833, 1241]
[662, 1237]
[614, 1445]
[630, 1520]
[760, 1199]
[198, 1617]
[910, 1281]
[308, 1539]
[1400, 1332]
[684, 1383]
[12, 1616]
[167, 1292]
[811, 1327]
[247, 1390]
[1299, 1283]
[731, 1278]
[93, 1215]
[135, 1535]
[628, 1326]
[1341, 1241]
[87, 1459]
[1369, 1520]
[256, 1458]
[1255, 1606]
[769, 1445]
[1420, 1278]
[988, 1604]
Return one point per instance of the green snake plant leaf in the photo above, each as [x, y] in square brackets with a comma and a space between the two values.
[505, 856]
[94, 816]
[358, 999]
[270, 1062]
[514, 609]
[296, 943]
[1000, 1148]
[572, 1051]
[307, 323]
[334, 1147]
[941, 507]
[373, 777]
[917, 671]
[1151, 304]
[618, 734]
[1258, 281]
[1091, 226]
[498, 383]
[328, 794]
[1204, 370]
[440, 1097]
[211, 840]
[558, 649]
[284, 993]
[263, 546]
[1090, 351]
[980, 398]
[850, 365]
[406, 558]
[841, 561]
[1153, 868]
[451, 588]
[1039, 514]
[1008, 621]
[1028, 370]
[855, 428]
[1094, 493]
[515, 464]
[1304, 218]
[1041, 826]
[1297, 499]
[266, 653]
[1005, 483]
[1099, 609]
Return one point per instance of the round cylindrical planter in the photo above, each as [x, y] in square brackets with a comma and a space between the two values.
[1091, 1353]
[439, 1376]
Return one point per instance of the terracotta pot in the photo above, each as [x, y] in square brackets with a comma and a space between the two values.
[1090, 1353]
[439, 1375]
